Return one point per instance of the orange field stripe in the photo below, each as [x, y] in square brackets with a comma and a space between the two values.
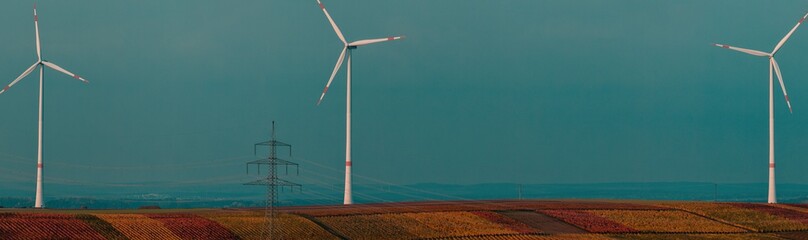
[189, 226]
[136, 226]
[252, 225]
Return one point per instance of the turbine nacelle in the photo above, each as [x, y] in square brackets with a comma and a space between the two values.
[772, 65]
[40, 62]
[772, 62]
[346, 46]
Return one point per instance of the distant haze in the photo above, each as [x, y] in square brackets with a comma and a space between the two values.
[480, 91]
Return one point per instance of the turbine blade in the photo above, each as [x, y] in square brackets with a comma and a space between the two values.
[783, 41]
[334, 73]
[782, 85]
[57, 68]
[372, 41]
[36, 28]
[743, 50]
[27, 71]
[333, 24]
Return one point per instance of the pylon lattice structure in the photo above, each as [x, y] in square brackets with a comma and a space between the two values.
[272, 181]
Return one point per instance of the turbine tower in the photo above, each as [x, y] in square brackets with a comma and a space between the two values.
[347, 47]
[41, 63]
[774, 68]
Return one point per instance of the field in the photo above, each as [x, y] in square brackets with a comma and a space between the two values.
[426, 220]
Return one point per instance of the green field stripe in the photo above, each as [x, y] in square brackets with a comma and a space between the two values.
[104, 228]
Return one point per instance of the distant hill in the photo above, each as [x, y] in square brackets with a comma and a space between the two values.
[504, 219]
[237, 195]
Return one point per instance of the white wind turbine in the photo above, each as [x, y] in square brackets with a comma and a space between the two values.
[347, 47]
[41, 63]
[773, 67]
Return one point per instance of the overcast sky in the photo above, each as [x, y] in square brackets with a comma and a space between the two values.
[529, 91]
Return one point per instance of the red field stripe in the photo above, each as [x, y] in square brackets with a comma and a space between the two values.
[44, 226]
[189, 226]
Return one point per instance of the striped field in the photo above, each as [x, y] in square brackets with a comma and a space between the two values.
[425, 220]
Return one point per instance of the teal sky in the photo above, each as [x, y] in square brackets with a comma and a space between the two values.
[528, 91]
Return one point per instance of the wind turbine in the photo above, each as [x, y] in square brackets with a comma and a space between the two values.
[773, 67]
[347, 47]
[41, 63]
